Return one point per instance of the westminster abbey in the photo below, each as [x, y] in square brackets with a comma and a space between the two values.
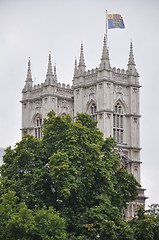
[109, 95]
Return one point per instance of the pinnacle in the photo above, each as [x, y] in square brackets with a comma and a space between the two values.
[29, 76]
[49, 70]
[131, 55]
[75, 68]
[55, 68]
[81, 61]
[105, 53]
[55, 75]
[75, 64]
[105, 63]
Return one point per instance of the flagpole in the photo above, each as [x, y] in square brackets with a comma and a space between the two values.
[106, 26]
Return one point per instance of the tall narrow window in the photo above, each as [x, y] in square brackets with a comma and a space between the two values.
[118, 123]
[114, 134]
[93, 110]
[121, 121]
[113, 120]
[38, 127]
[36, 136]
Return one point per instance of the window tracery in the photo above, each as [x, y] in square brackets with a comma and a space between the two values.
[93, 111]
[118, 130]
[38, 127]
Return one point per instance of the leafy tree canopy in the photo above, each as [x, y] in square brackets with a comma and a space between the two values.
[146, 223]
[68, 182]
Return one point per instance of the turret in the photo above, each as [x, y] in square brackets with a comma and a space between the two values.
[81, 65]
[105, 63]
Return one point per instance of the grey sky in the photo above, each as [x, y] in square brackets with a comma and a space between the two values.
[32, 28]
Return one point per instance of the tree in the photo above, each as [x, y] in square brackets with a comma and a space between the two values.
[25, 171]
[75, 172]
[17, 222]
[146, 223]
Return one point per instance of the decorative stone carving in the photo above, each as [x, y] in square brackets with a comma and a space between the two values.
[119, 90]
[108, 85]
[124, 160]
[135, 90]
[108, 115]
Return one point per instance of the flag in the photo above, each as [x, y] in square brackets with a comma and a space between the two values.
[115, 21]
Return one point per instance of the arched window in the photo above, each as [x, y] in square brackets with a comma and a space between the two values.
[93, 110]
[38, 127]
[118, 129]
[63, 114]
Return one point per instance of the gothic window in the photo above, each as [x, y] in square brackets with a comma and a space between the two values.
[38, 127]
[118, 123]
[93, 111]
[63, 114]
[121, 136]
[121, 121]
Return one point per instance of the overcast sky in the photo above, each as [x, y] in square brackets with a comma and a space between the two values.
[32, 28]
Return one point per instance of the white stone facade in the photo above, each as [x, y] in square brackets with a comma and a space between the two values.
[109, 95]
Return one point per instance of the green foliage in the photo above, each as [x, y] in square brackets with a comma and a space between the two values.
[25, 172]
[146, 223]
[49, 225]
[72, 178]
[153, 211]
[17, 222]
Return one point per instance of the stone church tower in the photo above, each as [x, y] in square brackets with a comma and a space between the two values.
[109, 95]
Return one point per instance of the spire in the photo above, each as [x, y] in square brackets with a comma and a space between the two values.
[75, 68]
[29, 76]
[81, 65]
[105, 53]
[131, 55]
[55, 75]
[131, 62]
[81, 61]
[29, 82]
[105, 64]
[49, 69]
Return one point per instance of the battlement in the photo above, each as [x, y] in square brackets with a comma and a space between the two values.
[33, 92]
